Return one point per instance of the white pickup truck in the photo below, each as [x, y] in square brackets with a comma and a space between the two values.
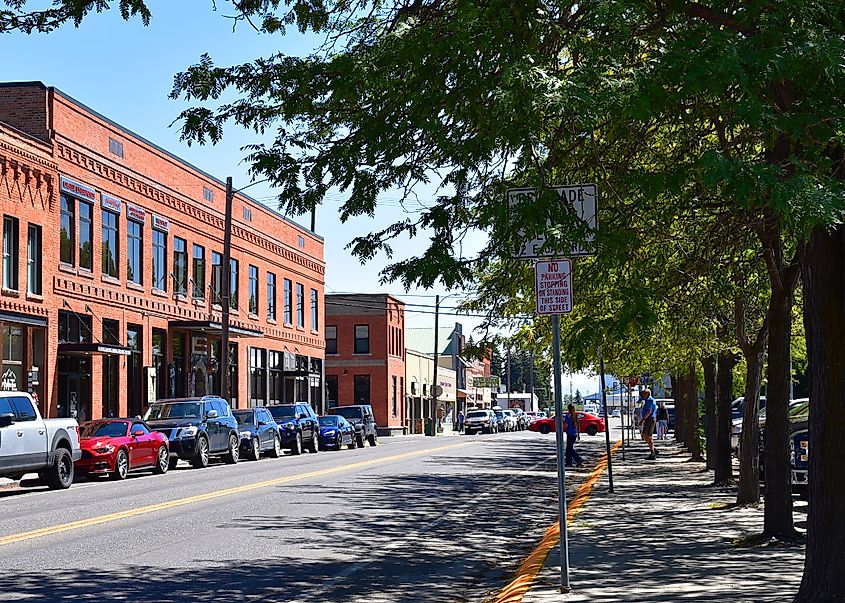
[30, 444]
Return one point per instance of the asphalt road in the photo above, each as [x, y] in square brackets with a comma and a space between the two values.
[413, 519]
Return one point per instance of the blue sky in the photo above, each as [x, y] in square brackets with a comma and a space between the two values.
[125, 71]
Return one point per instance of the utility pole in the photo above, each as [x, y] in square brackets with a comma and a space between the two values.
[436, 354]
[561, 468]
[531, 378]
[225, 291]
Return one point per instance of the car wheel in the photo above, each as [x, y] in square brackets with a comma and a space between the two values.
[296, 447]
[592, 430]
[121, 466]
[234, 453]
[255, 453]
[373, 440]
[276, 451]
[200, 460]
[314, 446]
[162, 461]
[60, 475]
[545, 429]
[359, 438]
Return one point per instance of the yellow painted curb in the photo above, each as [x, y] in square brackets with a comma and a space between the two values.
[179, 502]
[527, 572]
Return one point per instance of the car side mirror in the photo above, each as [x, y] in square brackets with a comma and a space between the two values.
[212, 414]
[138, 433]
[7, 419]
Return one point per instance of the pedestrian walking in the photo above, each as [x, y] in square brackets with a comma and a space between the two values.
[647, 412]
[662, 420]
[572, 435]
[460, 421]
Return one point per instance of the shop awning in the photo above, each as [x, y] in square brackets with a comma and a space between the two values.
[213, 327]
[23, 319]
[90, 349]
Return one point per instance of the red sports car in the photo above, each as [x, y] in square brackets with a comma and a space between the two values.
[587, 423]
[117, 446]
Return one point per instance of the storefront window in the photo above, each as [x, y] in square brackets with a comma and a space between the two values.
[74, 328]
[134, 364]
[276, 381]
[111, 369]
[159, 345]
[331, 391]
[12, 372]
[257, 377]
[362, 389]
[176, 369]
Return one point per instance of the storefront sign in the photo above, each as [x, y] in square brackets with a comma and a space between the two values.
[161, 223]
[9, 383]
[76, 189]
[133, 212]
[110, 203]
[492, 381]
[199, 346]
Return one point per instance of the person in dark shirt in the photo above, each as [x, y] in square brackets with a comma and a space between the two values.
[571, 435]
[662, 420]
[648, 411]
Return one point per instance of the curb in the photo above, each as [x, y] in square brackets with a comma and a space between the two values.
[527, 573]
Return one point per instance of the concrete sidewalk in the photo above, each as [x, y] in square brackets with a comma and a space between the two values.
[665, 535]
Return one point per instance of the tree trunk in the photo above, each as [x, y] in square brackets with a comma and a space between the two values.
[693, 440]
[678, 393]
[726, 362]
[777, 512]
[749, 445]
[824, 321]
[709, 365]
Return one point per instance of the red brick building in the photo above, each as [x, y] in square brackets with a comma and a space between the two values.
[111, 285]
[365, 356]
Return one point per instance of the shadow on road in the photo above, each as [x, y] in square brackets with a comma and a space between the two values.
[450, 531]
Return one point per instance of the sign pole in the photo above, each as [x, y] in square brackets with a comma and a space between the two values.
[606, 424]
[561, 468]
[622, 415]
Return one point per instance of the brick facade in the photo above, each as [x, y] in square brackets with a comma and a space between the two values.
[383, 364]
[53, 146]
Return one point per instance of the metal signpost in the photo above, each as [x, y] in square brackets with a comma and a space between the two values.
[553, 282]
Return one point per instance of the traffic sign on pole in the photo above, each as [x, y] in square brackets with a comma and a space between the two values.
[553, 286]
[582, 198]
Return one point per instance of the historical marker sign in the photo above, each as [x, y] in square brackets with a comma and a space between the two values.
[553, 285]
[582, 198]
[491, 381]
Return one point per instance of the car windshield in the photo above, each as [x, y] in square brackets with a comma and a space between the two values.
[173, 410]
[477, 415]
[348, 412]
[330, 421]
[500, 415]
[245, 416]
[287, 411]
[112, 429]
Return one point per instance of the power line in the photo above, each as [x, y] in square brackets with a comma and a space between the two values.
[385, 308]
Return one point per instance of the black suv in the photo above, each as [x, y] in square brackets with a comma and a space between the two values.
[298, 426]
[197, 428]
[362, 418]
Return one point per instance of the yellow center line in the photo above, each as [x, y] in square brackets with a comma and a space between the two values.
[188, 500]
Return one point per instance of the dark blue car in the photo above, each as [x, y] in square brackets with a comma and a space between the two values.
[259, 433]
[298, 426]
[336, 432]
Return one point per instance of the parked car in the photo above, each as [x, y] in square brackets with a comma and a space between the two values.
[521, 418]
[591, 408]
[298, 426]
[616, 413]
[738, 406]
[499, 416]
[799, 414]
[259, 433]
[362, 418]
[115, 447]
[511, 422]
[197, 429]
[336, 432]
[30, 444]
[587, 423]
[480, 421]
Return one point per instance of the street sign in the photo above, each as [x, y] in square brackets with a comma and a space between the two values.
[582, 197]
[553, 286]
[491, 381]
[436, 391]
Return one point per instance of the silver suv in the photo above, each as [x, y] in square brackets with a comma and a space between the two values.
[483, 421]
